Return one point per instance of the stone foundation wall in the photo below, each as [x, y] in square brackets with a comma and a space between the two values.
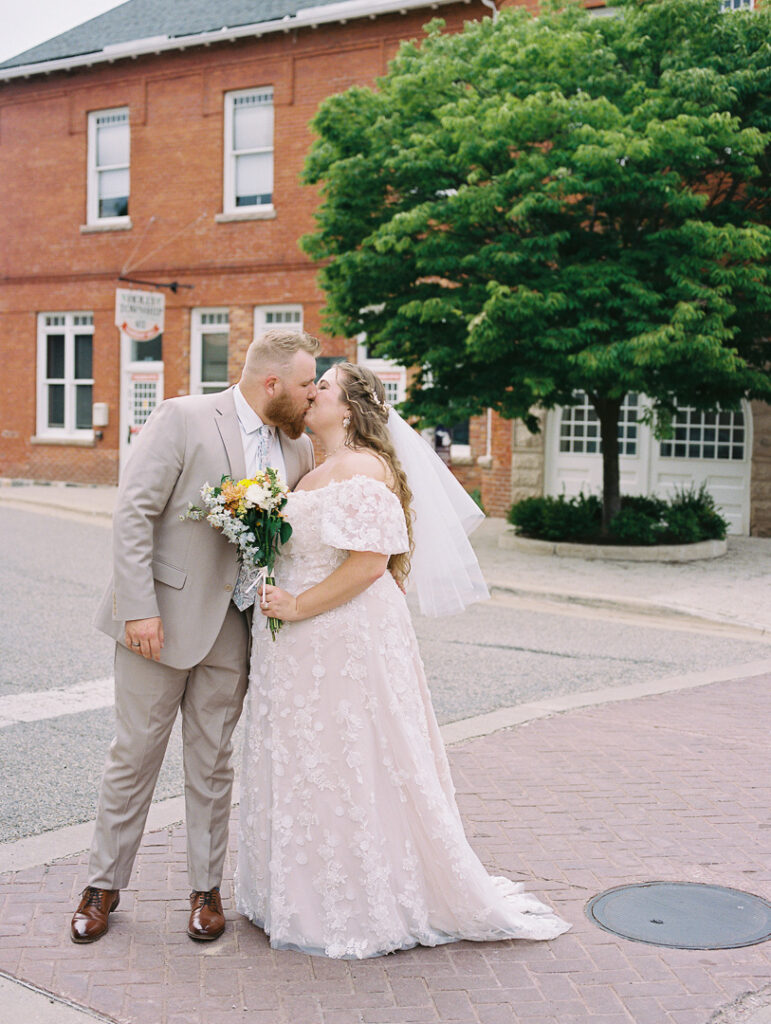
[760, 484]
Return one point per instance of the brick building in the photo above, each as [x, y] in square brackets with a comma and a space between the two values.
[164, 143]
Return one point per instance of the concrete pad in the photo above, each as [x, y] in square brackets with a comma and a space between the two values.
[23, 1004]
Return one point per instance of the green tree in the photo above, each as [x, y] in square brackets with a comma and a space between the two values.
[544, 205]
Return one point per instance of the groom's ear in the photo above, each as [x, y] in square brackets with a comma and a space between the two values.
[269, 383]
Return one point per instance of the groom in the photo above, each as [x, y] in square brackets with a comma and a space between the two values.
[181, 642]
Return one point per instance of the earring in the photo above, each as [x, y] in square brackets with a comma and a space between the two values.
[346, 421]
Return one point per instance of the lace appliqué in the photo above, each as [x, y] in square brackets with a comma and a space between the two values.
[351, 844]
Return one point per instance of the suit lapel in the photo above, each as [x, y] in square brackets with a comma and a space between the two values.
[230, 432]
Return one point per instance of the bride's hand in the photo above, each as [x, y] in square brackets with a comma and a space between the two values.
[276, 603]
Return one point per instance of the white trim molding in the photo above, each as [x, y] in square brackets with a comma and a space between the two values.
[310, 17]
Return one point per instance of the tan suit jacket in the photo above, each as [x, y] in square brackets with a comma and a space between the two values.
[182, 570]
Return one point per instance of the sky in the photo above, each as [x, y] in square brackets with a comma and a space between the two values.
[29, 22]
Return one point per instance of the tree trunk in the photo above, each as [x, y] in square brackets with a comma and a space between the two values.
[608, 410]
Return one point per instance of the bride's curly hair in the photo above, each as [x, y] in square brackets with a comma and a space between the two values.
[364, 395]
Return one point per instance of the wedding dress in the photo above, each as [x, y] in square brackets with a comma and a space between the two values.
[350, 841]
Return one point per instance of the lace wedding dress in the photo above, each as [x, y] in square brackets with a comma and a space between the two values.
[351, 844]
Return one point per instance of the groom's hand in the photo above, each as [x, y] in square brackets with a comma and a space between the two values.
[145, 637]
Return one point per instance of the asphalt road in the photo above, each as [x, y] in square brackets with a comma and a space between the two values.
[505, 652]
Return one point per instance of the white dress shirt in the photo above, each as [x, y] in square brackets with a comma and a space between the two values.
[249, 423]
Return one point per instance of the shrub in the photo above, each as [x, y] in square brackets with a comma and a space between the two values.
[712, 526]
[476, 496]
[688, 517]
[634, 525]
[682, 525]
[559, 518]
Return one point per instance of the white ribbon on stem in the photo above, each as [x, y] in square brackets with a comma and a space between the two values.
[260, 579]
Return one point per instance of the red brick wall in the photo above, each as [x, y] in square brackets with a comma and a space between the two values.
[176, 113]
[493, 480]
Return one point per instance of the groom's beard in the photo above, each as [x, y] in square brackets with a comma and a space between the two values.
[283, 413]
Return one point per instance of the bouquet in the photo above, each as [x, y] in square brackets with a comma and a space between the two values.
[249, 513]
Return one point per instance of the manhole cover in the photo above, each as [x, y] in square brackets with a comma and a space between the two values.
[685, 915]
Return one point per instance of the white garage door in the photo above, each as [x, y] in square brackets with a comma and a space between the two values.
[712, 448]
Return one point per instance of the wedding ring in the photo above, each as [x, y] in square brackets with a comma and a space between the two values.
[135, 644]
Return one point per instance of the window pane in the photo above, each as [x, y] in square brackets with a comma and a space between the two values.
[112, 145]
[254, 179]
[113, 184]
[83, 406]
[460, 432]
[113, 207]
[55, 356]
[83, 369]
[147, 351]
[253, 127]
[55, 405]
[214, 357]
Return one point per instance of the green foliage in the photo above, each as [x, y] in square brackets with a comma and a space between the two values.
[538, 206]
[559, 518]
[476, 495]
[690, 516]
[692, 510]
[633, 525]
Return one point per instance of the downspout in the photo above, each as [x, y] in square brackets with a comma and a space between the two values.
[493, 8]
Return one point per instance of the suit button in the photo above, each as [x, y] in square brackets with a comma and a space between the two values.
[228, 586]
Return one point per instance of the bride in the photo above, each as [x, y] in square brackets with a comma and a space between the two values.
[351, 844]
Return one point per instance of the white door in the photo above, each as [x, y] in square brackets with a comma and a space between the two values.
[573, 458]
[141, 389]
[711, 448]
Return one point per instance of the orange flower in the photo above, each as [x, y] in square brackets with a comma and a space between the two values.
[232, 493]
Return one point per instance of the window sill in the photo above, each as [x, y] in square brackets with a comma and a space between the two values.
[123, 224]
[255, 213]
[80, 441]
[461, 460]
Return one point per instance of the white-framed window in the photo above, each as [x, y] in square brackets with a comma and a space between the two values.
[248, 149]
[268, 317]
[65, 381]
[706, 435]
[580, 426]
[737, 5]
[209, 337]
[392, 375]
[108, 166]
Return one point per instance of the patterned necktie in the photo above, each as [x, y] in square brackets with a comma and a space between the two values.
[248, 573]
[263, 446]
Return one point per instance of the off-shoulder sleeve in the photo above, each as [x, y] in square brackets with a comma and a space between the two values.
[362, 514]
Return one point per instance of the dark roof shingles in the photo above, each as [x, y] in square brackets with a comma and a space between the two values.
[143, 19]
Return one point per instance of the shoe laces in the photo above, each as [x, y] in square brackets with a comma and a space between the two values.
[207, 897]
[93, 896]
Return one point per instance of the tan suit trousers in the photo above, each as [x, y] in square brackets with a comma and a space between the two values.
[147, 697]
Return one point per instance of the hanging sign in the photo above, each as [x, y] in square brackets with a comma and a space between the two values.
[139, 314]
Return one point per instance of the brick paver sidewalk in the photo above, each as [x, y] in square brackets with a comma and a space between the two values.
[672, 787]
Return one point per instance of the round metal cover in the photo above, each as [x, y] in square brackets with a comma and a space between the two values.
[684, 915]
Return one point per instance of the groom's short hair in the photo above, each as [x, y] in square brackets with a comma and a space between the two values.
[275, 348]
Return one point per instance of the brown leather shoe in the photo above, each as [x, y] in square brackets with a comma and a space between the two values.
[91, 920]
[207, 922]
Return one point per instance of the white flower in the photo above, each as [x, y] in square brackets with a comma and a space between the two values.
[257, 495]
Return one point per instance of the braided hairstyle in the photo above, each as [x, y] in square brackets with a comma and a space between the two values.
[364, 395]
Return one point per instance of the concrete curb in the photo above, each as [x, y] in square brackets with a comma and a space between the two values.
[632, 605]
[33, 1005]
[615, 552]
